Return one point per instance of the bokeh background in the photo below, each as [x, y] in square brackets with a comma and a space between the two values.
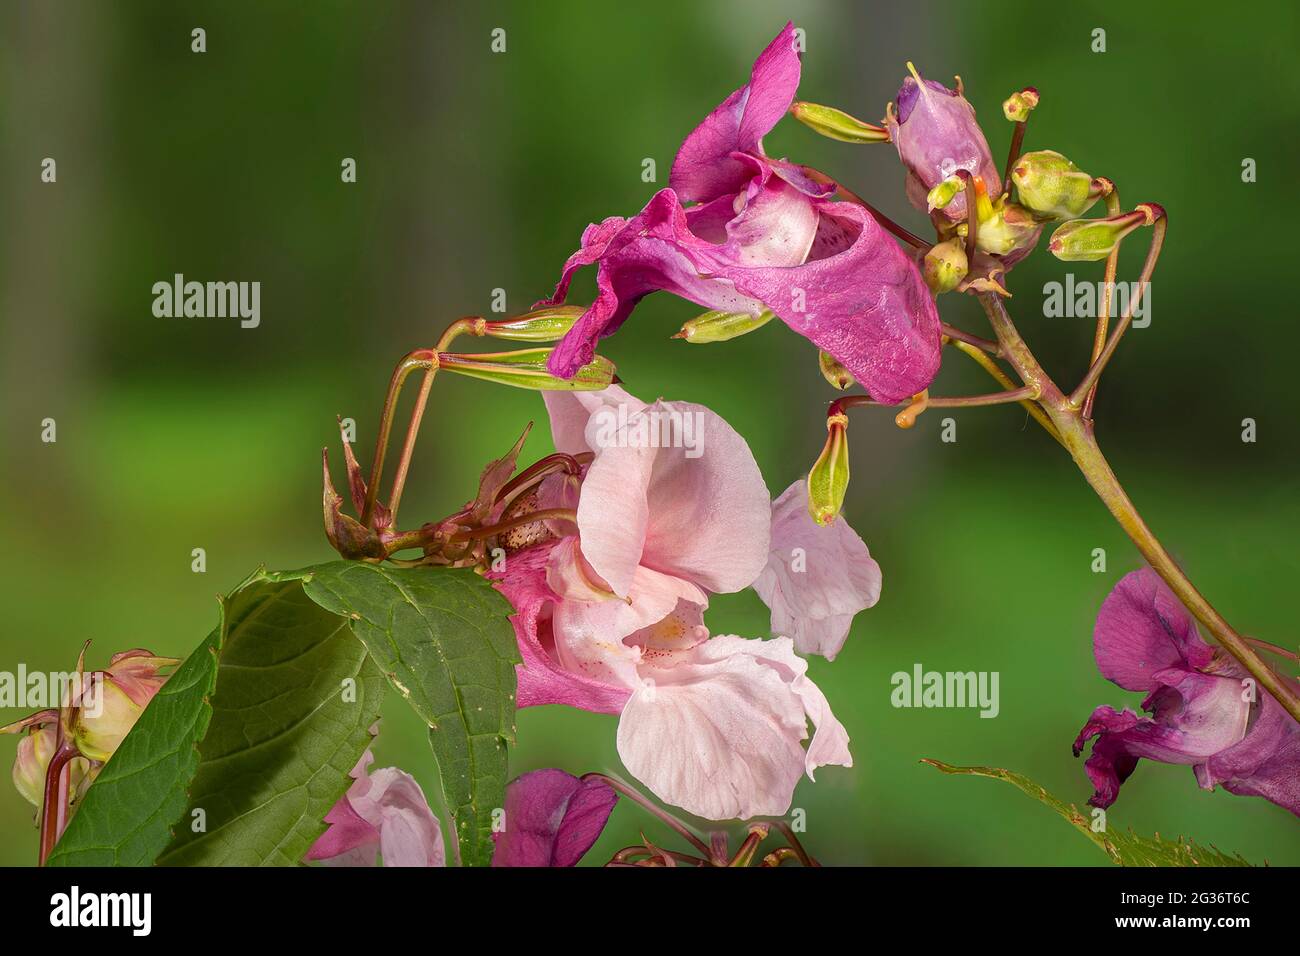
[477, 171]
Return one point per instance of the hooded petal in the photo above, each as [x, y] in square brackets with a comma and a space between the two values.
[551, 819]
[1266, 763]
[718, 731]
[1143, 629]
[817, 577]
[857, 296]
[705, 168]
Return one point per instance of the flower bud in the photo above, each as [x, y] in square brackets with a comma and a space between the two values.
[527, 369]
[945, 265]
[941, 195]
[33, 762]
[829, 478]
[1017, 107]
[1009, 228]
[836, 124]
[548, 324]
[835, 373]
[1088, 240]
[1052, 187]
[935, 131]
[721, 326]
[110, 701]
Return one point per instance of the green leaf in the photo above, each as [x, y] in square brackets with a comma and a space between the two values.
[1123, 848]
[294, 700]
[444, 639]
[125, 818]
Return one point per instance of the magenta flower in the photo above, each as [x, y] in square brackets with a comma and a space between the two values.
[936, 134]
[762, 236]
[817, 576]
[1204, 713]
[610, 613]
[551, 819]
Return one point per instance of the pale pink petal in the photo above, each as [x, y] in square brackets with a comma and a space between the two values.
[614, 513]
[709, 504]
[409, 834]
[570, 411]
[817, 577]
[719, 739]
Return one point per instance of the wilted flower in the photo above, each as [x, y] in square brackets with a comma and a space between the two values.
[763, 235]
[610, 618]
[817, 576]
[1204, 713]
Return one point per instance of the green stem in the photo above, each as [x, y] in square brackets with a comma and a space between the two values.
[1082, 445]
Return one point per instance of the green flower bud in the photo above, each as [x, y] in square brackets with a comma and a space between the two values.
[945, 265]
[1017, 107]
[1008, 228]
[829, 478]
[527, 369]
[541, 325]
[1052, 187]
[1088, 240]
[836, 124]
[33, 760]
[833, 371]
[721, 326]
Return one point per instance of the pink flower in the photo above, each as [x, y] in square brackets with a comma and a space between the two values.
[551, 819]
[817, 576]
[762, 236]
[610, 614]
[1202, 714]
[382, 813]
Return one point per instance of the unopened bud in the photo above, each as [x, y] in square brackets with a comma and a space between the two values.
[527, 369]
[541, 325]
[829, 478]
[1017, 107]
[1052, 187]
[833, 371]
[836, 124]
[1008, 228]
[721, 326]
[1087, 240]
[945, 265]
[110, 701]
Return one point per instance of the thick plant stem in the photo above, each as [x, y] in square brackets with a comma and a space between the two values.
[1083, 447]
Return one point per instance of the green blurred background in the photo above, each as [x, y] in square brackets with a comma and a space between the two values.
[478, 170]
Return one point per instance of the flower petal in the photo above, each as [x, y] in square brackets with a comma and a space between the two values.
[817, 577]
[704, 168]
[1142, 629]
[551, 819]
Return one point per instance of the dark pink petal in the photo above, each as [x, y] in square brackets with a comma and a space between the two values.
[1142, 629]
[705, 168]
[551, 819]
[1266, 763]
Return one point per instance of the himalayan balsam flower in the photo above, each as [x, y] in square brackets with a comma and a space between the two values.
[1203, 711]
[762, 235]
[551, 819]
[610, 614]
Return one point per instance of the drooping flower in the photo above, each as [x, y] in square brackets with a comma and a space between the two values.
[609, 614]
[551, 819]
[1204, 713]
[817, 576]
[763, 236]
